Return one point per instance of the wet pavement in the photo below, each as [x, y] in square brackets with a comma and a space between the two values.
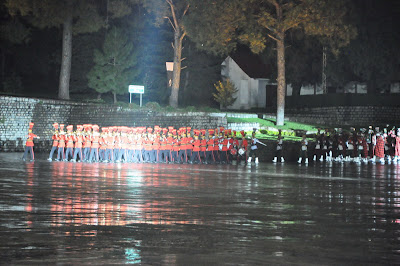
[152, 214]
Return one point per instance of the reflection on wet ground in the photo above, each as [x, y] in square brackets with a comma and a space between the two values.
[64, 212]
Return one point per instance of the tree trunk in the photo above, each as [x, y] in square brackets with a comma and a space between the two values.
[281, 89]
[98, 96]
[115, 97]
[176, 76]
[65, 73]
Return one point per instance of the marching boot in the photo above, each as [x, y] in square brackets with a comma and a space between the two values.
[249, 160]
[275, 160]
[256, 160]
[315, 158]
[382, 160]
[299, 161]
[282, 160]
[306, 161]
[321, 159]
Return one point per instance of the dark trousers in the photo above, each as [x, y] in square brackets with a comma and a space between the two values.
[182, 157]
[174, 156]
[195, 157]
[210, 157]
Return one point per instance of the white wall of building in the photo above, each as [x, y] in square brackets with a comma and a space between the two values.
[251, 92]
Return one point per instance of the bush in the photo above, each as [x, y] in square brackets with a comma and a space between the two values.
[225, 92]
[170, 109]
[94, 101]
[190, 109]
[153, 106]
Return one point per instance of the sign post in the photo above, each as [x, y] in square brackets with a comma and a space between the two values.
[136, 89]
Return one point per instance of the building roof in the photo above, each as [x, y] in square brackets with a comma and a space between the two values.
[251, 64]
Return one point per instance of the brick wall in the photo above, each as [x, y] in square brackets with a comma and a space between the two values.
[346, 115]
[17, 112]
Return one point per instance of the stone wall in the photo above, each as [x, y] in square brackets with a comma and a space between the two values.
[358, 116]
[17, 112]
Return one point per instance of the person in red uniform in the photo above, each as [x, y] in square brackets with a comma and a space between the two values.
[233, 147]
[182, 158]
[123, 145]
[175, 145]
[103, 145]
[109, 140]
[224, 148]
[168, 146]
[70, 142]
[242, 152]
[94, 151]
[203, 146]
[195, 156]
[29, 144]
[61, 144]
[216, 153]
[380, 147]
[78, 139]
[189, 143]
[397, 147]
[210, 147]
[55, 142]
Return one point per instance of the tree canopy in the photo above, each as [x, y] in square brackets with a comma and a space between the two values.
[115, 64]
[255, 23]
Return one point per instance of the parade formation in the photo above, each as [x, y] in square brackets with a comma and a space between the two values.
[212, 146]
[148, 145]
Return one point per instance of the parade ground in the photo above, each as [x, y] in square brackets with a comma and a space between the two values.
[168, 214]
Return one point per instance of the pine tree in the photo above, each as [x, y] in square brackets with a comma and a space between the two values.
[115, 64]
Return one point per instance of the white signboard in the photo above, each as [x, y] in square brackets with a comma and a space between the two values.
[136, 89]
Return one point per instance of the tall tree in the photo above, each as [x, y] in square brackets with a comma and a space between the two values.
[174, 12]
[74, 17]
[115, 63]
[218, 25]
[373, 57]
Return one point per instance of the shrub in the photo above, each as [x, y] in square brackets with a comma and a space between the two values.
[225, 92]
[153, 106]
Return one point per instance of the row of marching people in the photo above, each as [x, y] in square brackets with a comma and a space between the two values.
[149, 145]
[363, 146]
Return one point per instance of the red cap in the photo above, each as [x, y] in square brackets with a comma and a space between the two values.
[55, 125]
[243, 133]
[211, 131]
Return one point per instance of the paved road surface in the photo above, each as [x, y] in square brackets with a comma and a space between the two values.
[78, 213]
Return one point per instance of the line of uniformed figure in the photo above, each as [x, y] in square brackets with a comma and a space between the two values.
[367, 145]
[150, 145]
